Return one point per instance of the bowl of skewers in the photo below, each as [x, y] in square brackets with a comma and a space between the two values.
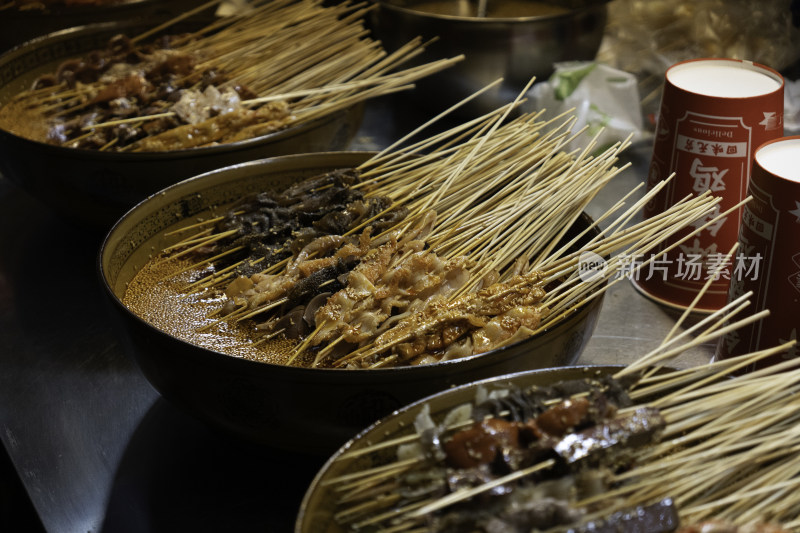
[577, 449]
[95, 118]
[295, 300]
[255, 364]
[515, 40]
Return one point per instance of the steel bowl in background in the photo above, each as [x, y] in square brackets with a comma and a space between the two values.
[313, 410]
[515, 48]
[317, 510]
[95, 188]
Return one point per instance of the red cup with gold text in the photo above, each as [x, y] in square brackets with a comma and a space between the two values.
[714, 113]
[769, 252]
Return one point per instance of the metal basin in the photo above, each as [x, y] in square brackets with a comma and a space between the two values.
[514, 48]
[313, 410]
[95, 188]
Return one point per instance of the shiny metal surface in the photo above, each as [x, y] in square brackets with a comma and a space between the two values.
[514, 49]
[95, 446]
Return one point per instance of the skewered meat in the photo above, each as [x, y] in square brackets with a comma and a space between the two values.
[310, 286]
[609, 441]
[226, 127]
[577, 429]
[304, 278]
[319, 246]
[388, 280]
[481, 443]
[493, 315]
[534, 429]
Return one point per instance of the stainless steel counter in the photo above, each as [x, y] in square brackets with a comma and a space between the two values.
[95, 446]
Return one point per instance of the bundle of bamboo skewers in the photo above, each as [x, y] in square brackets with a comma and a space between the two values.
[280, 63]
[504, 193]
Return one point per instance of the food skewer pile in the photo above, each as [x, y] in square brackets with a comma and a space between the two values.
[459, 257]
[647, 449]
[240, 77]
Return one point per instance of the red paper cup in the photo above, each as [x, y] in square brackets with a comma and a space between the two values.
[769, 253]
[714, 113]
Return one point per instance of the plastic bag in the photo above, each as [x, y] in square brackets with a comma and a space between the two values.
[601, 97]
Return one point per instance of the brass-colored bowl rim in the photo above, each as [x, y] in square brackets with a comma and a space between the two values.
[190, 186]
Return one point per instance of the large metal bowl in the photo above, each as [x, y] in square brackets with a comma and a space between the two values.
[317, 510]
[514, 48]
[299, 408]
[96, 188]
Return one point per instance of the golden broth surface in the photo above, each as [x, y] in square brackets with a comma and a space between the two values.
[16, 118]
[158, 295]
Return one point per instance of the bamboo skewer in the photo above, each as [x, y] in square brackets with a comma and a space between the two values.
[388, 81]
[505, 237]
[465, 494]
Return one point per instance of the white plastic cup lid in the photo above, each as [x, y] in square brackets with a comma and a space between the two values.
[723, 78]
[781, 158]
